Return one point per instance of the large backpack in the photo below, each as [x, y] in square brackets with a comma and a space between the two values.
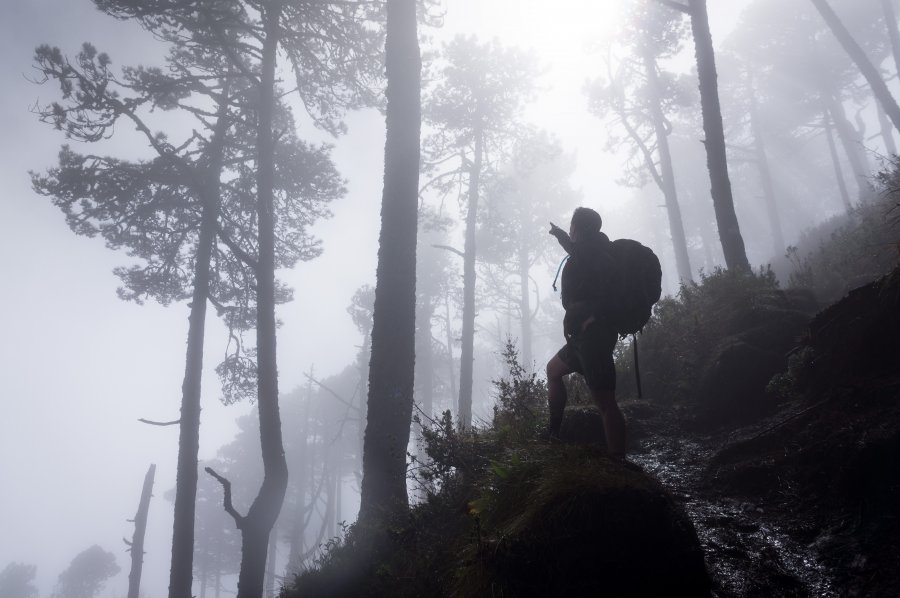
[639, 287]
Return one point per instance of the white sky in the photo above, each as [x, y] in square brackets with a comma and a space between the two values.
[78, 366]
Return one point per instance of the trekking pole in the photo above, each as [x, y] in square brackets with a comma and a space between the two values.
[637, 367]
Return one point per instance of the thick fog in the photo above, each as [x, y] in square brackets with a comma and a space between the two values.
[79, 366]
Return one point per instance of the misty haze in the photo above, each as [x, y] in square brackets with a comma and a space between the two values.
[450, 298]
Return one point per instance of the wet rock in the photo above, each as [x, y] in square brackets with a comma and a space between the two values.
[586, 525]
[733, 381]
[582, 424]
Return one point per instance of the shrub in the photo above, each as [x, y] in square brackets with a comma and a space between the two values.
[684, 329]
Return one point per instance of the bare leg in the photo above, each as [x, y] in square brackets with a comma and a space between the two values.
[556, 390]
[613, 422]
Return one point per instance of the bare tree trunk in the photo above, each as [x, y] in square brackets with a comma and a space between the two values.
[887, 131]
[467, 351]
[425, 356]
[716, 157]
[271, 556]
[137, 540]
[450, 360]
[835, 160]
[667, 172]
[298, 529]
[856, 53]
[762, 162]
[852, 143]
[181, 571]
[890, 20]
[391, 373]
[257, 524]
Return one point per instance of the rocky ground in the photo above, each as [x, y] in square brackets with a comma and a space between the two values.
[806, 500]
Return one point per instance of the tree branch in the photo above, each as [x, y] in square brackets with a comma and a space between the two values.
[229, 507]
[676, 5]
[153, 423]
[450, 249]
[348, 404]
[235, 248]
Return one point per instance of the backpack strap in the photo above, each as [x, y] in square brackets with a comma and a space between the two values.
[558, 270]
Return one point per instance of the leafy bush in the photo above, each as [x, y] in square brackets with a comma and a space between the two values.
[684, 329]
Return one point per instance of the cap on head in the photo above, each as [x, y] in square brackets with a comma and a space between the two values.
[586, 222]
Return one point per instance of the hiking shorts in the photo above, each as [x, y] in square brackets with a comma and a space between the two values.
[590, 354]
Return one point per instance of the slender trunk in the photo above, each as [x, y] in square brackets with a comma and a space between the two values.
[887, 131]
[835, 160]
[853, 146]
[181, 571]
[298, 530]
[667, 172]
[330, 498]
[890, 20]
[391, 371]
[467, 351]
[271, 555]
[425, 357]
[856, 53]
[762, 162]
[137, 540]
[716, 158]
[338, 489]
[257, 524]
[451, 363]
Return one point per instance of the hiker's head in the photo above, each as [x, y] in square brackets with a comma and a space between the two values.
[585, 223]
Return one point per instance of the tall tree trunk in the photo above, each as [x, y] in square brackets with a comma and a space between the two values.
[667, 172]
[836, 161]
[887, 131]
[298, 529]
[716, 158]
[181, 571]
[451, 367]
[271, 555]
[425, 356]
[890, 20]
[856, 53]
[852, 144]
[260, 518]
[762, 162]
[467, 351]
[137, 540]
[391, 373]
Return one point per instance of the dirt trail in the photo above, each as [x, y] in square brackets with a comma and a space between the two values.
[749, 551]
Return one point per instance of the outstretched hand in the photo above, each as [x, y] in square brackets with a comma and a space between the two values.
[562, 237]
